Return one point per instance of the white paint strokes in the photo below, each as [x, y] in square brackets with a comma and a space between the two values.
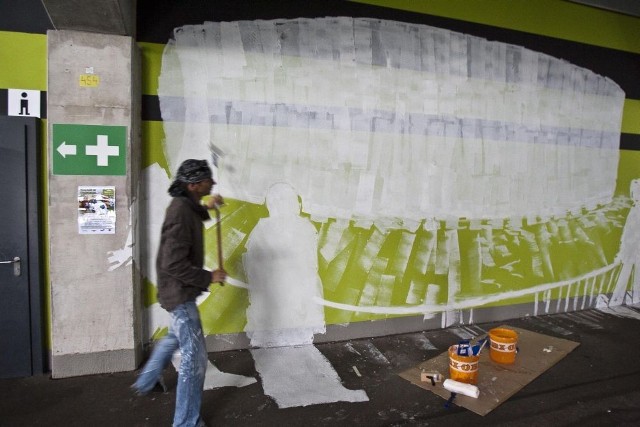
[375, 354]
[621, 311]
[466, 303]
[153, 202]
[352, 349]
[431, 298]
[331, 242]
[356, 371]
[301, 376]
[157, 318]
[463, 333]
[552, 326]
[235, 282]
[594, 316]
[579, 317]
[281, 263]
[452, 261]
[368, 120]
[424, 343]
[629, 253]
[121, 257]
[214, 378]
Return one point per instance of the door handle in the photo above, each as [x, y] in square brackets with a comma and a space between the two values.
[16, 265]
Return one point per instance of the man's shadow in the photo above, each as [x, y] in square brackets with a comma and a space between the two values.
[281, 264]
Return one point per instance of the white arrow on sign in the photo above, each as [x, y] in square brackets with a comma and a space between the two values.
[65, 149]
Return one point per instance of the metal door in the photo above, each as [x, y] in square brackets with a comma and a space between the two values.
[20, 306]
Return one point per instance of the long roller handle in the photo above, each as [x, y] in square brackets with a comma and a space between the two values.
[219, 235]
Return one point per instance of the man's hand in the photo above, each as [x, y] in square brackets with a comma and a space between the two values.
[218, 276]
[215, 201]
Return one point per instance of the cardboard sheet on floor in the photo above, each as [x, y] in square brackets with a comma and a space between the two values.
[496, 382]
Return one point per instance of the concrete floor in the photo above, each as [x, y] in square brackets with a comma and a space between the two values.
[598, 384]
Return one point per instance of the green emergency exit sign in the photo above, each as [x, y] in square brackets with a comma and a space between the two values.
[89, 150]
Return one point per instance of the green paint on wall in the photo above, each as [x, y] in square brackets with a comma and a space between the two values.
[494, 258]
[628, 169]
[159, 333]
[225, 309]
[152, 142]
[509, 257]
[24, 61]
[151, 64]
[149, 293]
[631, 116]
[553, 18]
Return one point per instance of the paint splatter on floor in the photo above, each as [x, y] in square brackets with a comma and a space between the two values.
[301, 376]
[622, 311]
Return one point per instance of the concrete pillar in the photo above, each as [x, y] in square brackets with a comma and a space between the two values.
[93, 79]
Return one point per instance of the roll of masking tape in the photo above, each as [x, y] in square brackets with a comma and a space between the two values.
[461, 388]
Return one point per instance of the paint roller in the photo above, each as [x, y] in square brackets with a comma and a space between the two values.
[461, 388]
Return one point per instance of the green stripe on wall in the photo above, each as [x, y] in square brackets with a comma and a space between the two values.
[152, 142]
[23, 59]
[631, 116]
[151, 64]
[553, 18]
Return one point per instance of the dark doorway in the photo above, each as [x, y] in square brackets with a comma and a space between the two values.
[21, 350]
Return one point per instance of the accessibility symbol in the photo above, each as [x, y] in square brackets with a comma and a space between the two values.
[89, 150]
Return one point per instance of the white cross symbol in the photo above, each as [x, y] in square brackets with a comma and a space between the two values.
[102, 150]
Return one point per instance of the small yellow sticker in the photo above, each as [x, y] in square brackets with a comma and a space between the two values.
[89, 80]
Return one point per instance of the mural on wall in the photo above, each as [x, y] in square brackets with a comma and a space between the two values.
[443, 171]
[435, 172]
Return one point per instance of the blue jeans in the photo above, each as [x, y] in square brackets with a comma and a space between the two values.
[185, 332]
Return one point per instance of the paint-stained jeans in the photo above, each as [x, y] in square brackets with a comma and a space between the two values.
[185, 332]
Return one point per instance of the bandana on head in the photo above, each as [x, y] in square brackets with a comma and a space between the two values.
[190, 171]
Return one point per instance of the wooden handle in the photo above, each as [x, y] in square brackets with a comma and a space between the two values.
[219, 235]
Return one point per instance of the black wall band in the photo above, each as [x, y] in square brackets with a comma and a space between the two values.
[158, 18]
[630, 141]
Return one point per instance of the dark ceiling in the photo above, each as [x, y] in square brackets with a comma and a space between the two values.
[119, 16]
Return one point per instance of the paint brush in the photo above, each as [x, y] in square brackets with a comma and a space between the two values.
[478, 347]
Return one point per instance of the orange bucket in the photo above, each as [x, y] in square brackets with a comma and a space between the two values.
[504, 344]
[463, 368]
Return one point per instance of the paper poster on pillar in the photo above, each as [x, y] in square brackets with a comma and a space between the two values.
[96, 210]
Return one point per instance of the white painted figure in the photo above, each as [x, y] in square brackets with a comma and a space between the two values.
[629, 254]
[281, 263]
